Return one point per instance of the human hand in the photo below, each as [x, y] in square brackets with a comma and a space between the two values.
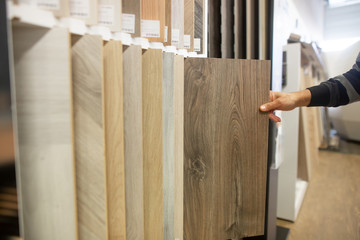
[285, 102]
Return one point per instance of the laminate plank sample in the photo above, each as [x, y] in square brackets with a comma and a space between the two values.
[133, 133]
[168, 144]
[199, 25]
[114, 139]
[225, 140]
[250, 29]
[227, 29]
[179, 147]
[45, 162]
[189, 10]
[215, 28]
[152, 67]
[86, 10]
[177, 23]
[109, 14]
[132, 7]
[60, 8]
[87, 77]
[167, 37]
[153, 10]
[240, 29]
[263, 28]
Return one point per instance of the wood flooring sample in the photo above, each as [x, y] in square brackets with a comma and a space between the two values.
[45, 162]
[152, 67]
[225, 152]
[86, 10]
[153, 20]
[199, 25]
[177, 23]
[240, 29]
[87, 77]
[179, 146]
[131, 10]
[251, 29]
[167, 27]
[189, 24]
[215, 29]
[227, 29]
[133, 133]
[114, 139]
[109, 14]
[60, 8]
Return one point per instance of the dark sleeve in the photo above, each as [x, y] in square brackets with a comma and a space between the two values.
[338, 91]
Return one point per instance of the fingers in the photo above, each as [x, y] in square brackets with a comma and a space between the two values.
[274, 118]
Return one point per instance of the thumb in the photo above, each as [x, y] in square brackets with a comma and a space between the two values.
[271, 106]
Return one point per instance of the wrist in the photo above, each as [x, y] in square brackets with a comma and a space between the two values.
[303, 98]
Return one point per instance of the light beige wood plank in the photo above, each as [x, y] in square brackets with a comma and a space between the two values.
[133, 133]
[189, 21]
[109, 14]
[152, 143]
[114, 139]
[179, 146]
[86, 10]
[154, 10]
[87, 77]
[45, 163]
[177, 23]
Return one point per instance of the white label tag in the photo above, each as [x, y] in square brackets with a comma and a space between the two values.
[106, 14]
[150, 28]
[186, 41]
[128, 23]
[175, 36]
[197, 45]
[166, 33]
[48, 4]
[79, 8]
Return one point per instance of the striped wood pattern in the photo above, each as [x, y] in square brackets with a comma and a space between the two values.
[225, 141]
[177, 21]
[87, 77]
[152, 67]
[133, 142]
[114, 139]
[199, 22]
[154, 10]
[133, 7]
[43, 130]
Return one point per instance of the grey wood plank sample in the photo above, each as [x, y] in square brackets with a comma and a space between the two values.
[168, 143]
[227, 29]
[177, 23]
[45, 162]
[240, 29]
[199, 24]
[214, 29]
[87, 77]
[179, 147]
[133, 134]
[225, 152]
[251, 29]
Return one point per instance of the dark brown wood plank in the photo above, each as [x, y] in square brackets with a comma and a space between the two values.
[227, 28]
[225, 148]
[214, 29]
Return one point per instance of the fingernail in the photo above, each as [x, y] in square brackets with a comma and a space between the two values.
[263, 108]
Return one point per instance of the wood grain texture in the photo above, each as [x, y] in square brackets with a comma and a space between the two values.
[168, 143]
[104, 17]
[133, 142]
[225, 139]
[87, 77]
[177, 22]
[227, 29]
[179, 147]
[199, 22]
[154, 10]
[114, 139]
[250, 29]
[263, 29]
[45, 162]
[189, 10]
[168, 23]
[133, 7]
[215, 28]
[240, 29]
[152, 67]
[86, 10]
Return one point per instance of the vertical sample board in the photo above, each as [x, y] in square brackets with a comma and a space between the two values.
[86, 10]
[199, 25]
[87, 77]
[168, 144]
[263, 29]
[153, 20]
[179, 147]
[45, 162]
[133, 134]
[227, 29]
[131, 14]
[152, 68]
[114, 139]
[251, 29]
[189, 24]
[240, 29]
[60, 8]
[167, 27]
[215, 29]
[177, 23]
[225, 147]
[109, 14]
